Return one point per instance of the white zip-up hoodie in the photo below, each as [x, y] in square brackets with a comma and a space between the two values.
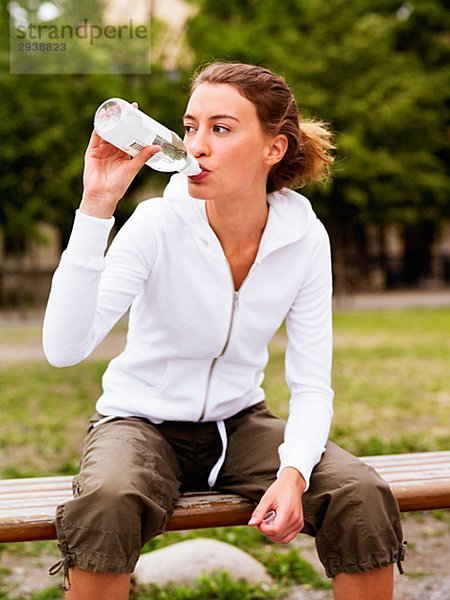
[196, 349]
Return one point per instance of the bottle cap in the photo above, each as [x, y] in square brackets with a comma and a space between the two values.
[191, 167]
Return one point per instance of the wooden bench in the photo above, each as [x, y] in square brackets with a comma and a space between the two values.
[419, 481]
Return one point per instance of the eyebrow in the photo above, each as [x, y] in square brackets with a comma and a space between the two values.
[213, 117]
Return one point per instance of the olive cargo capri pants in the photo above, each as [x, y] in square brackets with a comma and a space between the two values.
[132, 471]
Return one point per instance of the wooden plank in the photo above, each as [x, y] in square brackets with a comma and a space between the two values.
[442, 463]
[426, 497]
[197, 511]
[14, 486]
[192, 511]
[419, 481]
[411, 472]
[29, 531]
[412, 457]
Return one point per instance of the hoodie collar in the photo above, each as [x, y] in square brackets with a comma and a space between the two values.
[290, 215]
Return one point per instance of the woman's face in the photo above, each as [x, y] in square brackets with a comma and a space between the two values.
[223, 132]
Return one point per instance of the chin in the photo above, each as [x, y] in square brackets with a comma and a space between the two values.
[198, 191]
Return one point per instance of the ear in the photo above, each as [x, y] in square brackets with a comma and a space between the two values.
[276, 149]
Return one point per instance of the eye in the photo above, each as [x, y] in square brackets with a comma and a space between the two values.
[220, 129]
[188, 129]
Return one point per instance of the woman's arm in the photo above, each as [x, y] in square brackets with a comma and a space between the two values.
[308, 365]
[89, 294]
[108, 172]
[308, 373]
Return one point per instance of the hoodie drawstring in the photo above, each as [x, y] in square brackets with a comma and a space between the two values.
[215, 470]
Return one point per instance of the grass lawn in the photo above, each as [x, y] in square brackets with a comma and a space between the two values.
[391, 377]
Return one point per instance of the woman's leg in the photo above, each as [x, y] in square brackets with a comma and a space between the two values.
[355, 519]
[348, 508]
[87, 585]
[377, 584]
[128, 483]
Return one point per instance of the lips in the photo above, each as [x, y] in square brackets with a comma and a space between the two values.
[200, 176]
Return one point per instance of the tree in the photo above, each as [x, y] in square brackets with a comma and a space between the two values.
[45, 123]
[376, 69]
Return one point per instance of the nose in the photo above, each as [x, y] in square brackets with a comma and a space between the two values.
[197, 143]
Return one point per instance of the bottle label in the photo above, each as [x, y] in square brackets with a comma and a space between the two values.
[136, 146]
[174, 150]
[171, 151]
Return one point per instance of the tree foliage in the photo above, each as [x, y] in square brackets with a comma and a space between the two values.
[376, 69]
[45, 123]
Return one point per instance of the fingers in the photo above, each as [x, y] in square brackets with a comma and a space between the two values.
[281, 535]
[279, 514]
[282, 528]
[291, 536]
[137, 162]
[291, 529]
[95, 140]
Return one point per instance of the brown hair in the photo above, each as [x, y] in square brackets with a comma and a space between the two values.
[307, 157]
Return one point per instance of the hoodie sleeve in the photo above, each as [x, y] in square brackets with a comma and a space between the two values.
[89, 291]
[308, 365]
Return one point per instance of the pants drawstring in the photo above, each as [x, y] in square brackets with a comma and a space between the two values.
[63, 564]
[401, 557]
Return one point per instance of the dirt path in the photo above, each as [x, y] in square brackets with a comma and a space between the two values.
[20, 340]
[393, 300]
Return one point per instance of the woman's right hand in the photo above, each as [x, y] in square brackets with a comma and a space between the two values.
[108, 171]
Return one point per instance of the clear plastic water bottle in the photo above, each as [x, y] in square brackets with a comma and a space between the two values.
[129, 129]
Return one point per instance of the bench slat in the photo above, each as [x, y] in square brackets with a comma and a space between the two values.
[416, 458]
[193, 511]
[420, 481]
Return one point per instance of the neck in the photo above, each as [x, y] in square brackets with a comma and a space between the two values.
[238, 224]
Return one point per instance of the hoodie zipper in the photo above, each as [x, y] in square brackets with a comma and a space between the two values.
[234, 308]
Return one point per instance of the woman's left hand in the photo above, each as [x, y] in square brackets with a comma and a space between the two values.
[284, 497]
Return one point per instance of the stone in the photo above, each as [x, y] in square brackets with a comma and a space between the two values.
[183, 563]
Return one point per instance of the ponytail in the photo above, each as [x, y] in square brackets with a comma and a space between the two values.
[316, 145]
[308, 155]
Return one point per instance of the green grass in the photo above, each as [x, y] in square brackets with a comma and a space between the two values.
[219, 586]
[391, 377]
[44, 416]
[50, 593]
[392, 384]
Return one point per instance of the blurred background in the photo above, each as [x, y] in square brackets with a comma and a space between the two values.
[377, 70]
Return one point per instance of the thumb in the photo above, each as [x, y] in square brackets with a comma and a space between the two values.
[259, 513]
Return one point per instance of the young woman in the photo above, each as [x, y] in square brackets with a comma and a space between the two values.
[210, 271]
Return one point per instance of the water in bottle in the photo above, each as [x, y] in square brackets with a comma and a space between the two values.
[131, 130]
